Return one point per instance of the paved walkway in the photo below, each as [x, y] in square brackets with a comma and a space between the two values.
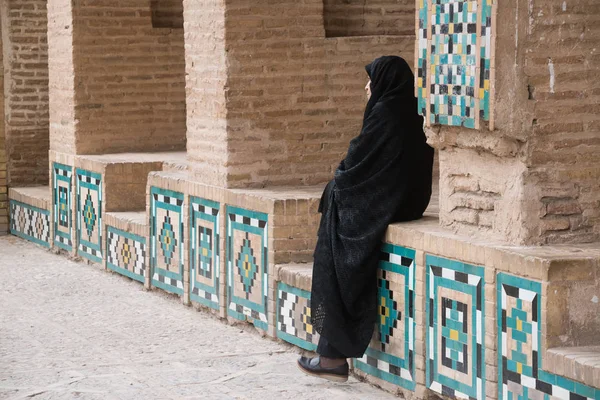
[71, 331]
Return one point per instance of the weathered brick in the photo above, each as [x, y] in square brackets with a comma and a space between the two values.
[26, 108]
[128, 92]
[293, 99]
[3, 184]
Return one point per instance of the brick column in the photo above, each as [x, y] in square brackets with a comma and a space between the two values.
[206, 78]
[535, 178]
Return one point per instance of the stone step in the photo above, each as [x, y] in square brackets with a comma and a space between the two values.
[176, 165]
[29, 210]
[126, 250]
[581, 364]
[296, 275]
[293, 318]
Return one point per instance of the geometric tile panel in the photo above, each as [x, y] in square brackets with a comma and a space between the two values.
[247, 266]
[166, 240]
[454, 62]
[455, 316]
[30, 223]
[126, 253]
[61, 204]
[390, 356]
[519, 338]
[204, 252]
[89, 215]
[294, 323]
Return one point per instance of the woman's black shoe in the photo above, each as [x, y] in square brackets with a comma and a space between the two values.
[312, 366]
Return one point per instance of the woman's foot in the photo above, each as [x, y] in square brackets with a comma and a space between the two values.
[332, 369]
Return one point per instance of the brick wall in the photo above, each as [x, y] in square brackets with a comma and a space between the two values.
[129, 78]
[24, 30]
[563, 66]
[3, 185]
[369, 17]
[294, 99]
[167, 13]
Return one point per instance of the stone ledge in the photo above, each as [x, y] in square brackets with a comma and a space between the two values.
[133, 222]
[541, 263]
[581, 364]
[296, 275]
[37, 196]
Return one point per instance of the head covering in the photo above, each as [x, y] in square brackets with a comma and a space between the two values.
[391, 77]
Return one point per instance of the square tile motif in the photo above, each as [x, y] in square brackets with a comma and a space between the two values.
[89, 215]
[30, 223]
[247, 266]
[422, 85]
[519, 337]
[294, 323]
[61, 205]
[454, 61]
[455, 315]
[166, 240]
[205, 263]
[390, 356]
[126, 253]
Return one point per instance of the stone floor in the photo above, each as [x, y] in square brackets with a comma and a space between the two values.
[71, 331]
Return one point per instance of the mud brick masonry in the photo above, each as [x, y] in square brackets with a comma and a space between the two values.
[185, 145]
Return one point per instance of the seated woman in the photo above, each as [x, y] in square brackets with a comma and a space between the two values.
[385, 177]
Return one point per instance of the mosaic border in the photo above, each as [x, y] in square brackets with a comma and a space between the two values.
[93, 182]
[469, 280]
[64, 173]
[468, 44]
[139, 244]
[256, 223]
[532, 380]
[209, 211]
[281, 306]
[44, 238]
[382, 365]
[172, 201]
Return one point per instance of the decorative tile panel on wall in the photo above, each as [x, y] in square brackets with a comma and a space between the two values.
[166, 240]
[204, 252]
[519, 339]
[30, 223]
[294, 317]
[89, 215]
[455, 362]
[61, 204]
[126, 253]
[391, 354]
[247, 266]
[455, 61]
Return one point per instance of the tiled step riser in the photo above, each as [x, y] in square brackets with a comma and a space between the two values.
[449, 328]
[30, 217]
[215, 247]
[63, 203]
[126, 246]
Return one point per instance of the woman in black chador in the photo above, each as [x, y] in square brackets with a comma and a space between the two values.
[385, 178]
